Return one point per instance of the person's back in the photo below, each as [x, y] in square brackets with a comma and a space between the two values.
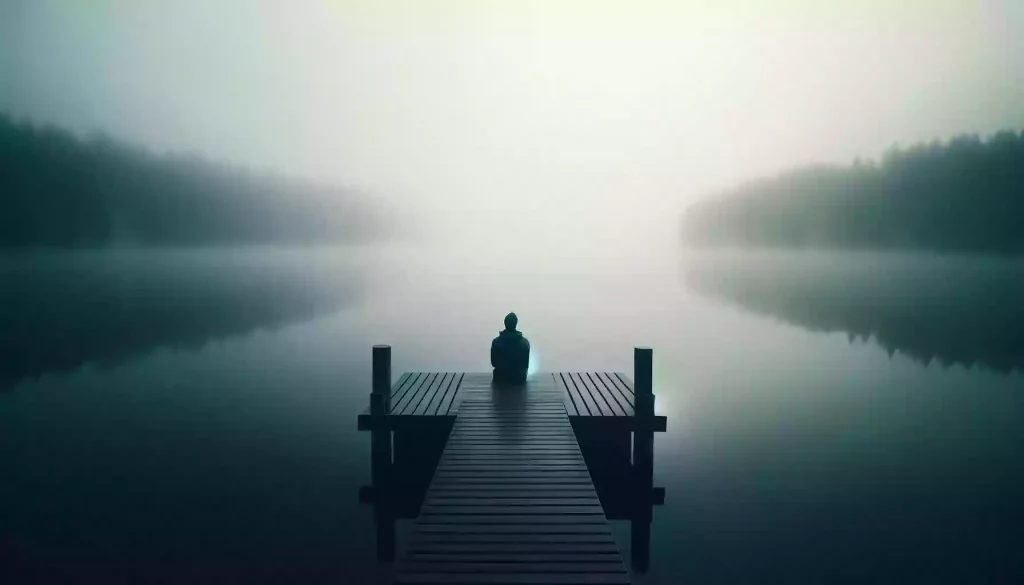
[510, 354]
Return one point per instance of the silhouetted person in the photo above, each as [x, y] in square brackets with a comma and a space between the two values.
[510, 354]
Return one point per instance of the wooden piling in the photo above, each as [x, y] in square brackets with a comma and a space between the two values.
[643, 458]
[382, 374]
[380, 450]
[643, 438]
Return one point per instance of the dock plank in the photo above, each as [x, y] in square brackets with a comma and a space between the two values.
[490, 548]
[623, 382]
[434, 396]
[595, 394]
[399, 406]
[445, 404]
[449, 509]
[535, 538]
[405, 382]
[565, 381]
[499, 492]
[533, 557]
[581, 390]
[511, 500]
[522, 532]
[429, 389]
[593, 566]
[599, 388]
[477, 579]
[595, 400]
[609, 389]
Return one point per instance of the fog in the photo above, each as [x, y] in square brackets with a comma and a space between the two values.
[524, 128]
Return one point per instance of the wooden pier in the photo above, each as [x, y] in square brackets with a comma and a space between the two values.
[512, 485]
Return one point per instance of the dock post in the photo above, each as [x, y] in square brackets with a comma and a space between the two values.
[643, 459]
[382, 374]
[643, 438]
[380, 452]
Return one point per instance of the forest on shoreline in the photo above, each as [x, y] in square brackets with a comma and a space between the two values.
[60, 190]
[962, 195]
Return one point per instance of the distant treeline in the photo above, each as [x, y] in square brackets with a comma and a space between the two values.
[965, 195]
[58, 190]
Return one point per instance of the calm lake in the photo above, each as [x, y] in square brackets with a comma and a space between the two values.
[189, 416]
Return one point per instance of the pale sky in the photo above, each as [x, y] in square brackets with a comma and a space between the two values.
[581, 121]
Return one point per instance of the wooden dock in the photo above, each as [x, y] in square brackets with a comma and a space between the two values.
[510, 496]
[434, 398]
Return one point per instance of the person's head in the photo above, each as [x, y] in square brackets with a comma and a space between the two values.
[511, 321]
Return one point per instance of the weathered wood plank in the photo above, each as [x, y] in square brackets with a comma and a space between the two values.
[525, 449]
[584, 567]
[614, 402]
[513, 470]
[506, 510]
[534, 557]
[551, 445]
[519, 481]
[586, 385]
[506, 539]
[512, 519]
[481, 424]
[588, 400]
[555, 579]
[570, 404]
[509, 502]
[531, 430]
[552, 411]
[497, 450]
[623, 381]
[512, 455]
[408, 380]
[400, 406]
[505, 454]
[445, 406]
[426, 395]
[574, 465]
[499, 492]
[513, 467]
[574, 395]
[429, 404]
[398, 387]
[613, 393]
[514, 529]
[534, 430]
[503, 547]
[521, 434]
[515, 480]
[497, 465]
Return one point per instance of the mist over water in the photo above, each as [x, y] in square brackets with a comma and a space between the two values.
[185, 413]
[242, 448]
[520, 128]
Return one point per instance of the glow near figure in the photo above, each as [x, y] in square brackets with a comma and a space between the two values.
[531, 370]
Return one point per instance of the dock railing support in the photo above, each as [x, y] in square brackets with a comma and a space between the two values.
[643, 458]
[380, 451]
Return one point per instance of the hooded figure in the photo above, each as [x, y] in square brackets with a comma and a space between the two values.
[510, 354]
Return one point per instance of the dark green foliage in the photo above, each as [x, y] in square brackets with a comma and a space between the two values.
[965, 195]
[58, 190]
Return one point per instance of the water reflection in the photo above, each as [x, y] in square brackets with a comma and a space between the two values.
[60, 311]
[951, 310]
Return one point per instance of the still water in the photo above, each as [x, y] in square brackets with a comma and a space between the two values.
[189, 416]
